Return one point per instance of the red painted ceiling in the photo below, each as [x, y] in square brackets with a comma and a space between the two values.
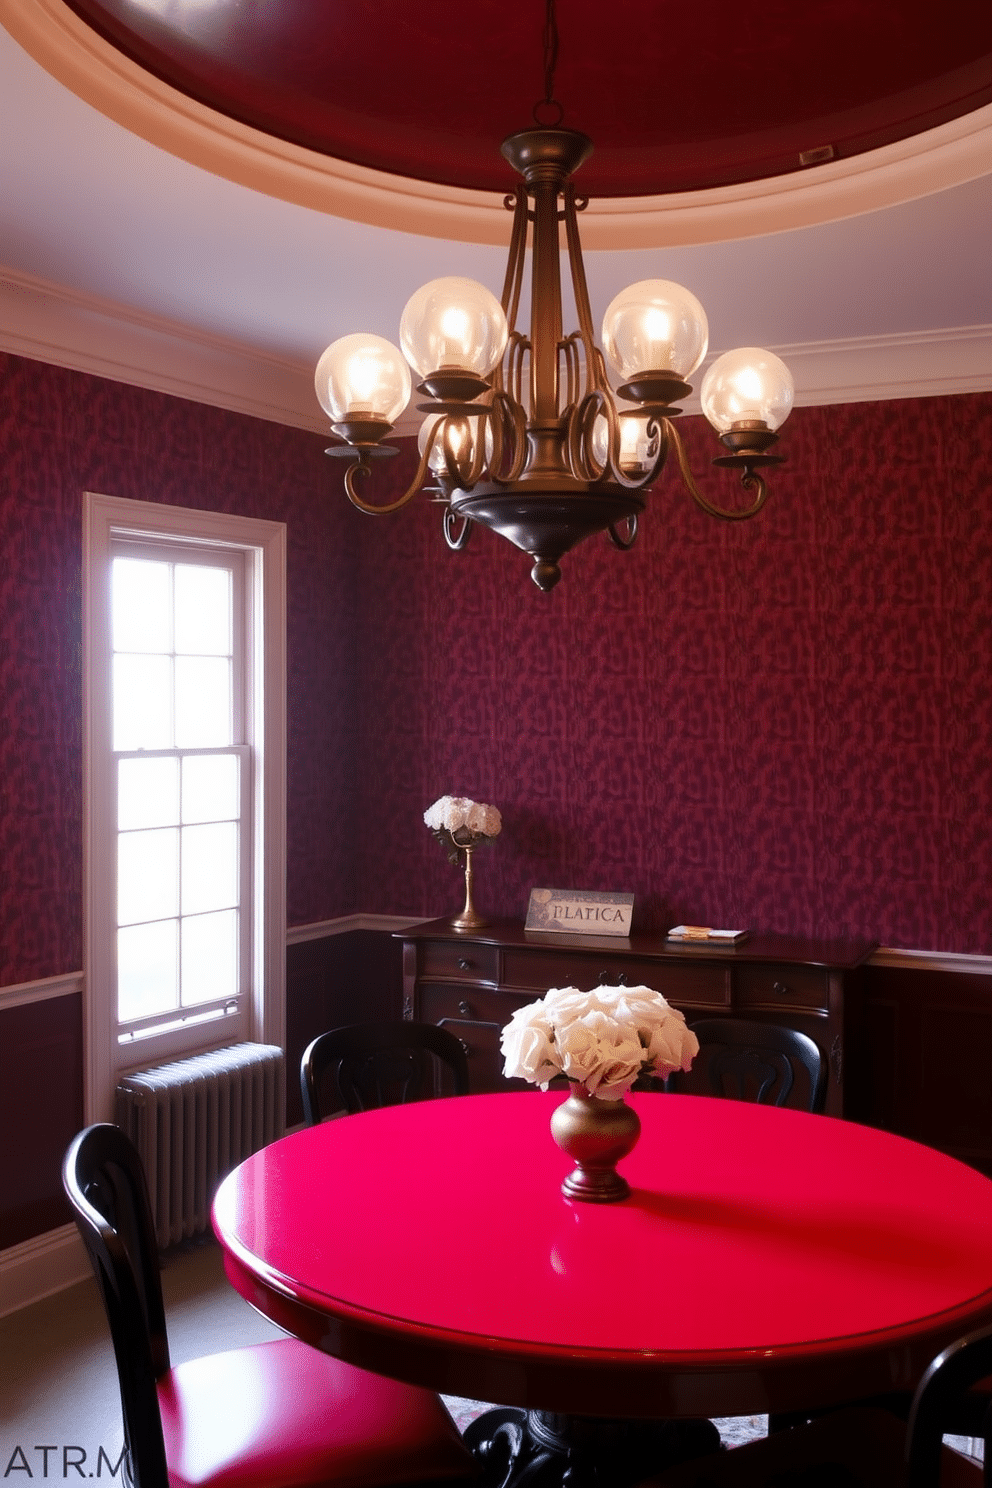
[675, 97]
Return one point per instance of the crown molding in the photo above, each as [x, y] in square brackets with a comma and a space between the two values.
[50, 323]
[76, 56]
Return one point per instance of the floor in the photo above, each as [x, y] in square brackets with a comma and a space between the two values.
[59, 1403]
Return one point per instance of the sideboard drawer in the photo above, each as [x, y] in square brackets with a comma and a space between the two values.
[467, 1003]
[470, 961]
[706, 985]
[780, 986]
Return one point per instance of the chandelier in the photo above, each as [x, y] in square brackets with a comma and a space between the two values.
[524, 433]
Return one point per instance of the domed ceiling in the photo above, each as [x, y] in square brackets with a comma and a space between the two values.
[675, 97]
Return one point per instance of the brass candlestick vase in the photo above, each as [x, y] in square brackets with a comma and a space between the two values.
[595, 1134]
[470, 918]
[462, 825]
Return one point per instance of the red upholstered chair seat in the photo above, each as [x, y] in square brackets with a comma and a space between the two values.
[271, 1415]
[283, 1415]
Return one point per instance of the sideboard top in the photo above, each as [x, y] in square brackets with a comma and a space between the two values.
[793, 949]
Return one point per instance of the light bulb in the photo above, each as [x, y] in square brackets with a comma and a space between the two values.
[463, 432]
[362, 376]
[746, 386]
[655, 326]
[638, 450]
[453, 324]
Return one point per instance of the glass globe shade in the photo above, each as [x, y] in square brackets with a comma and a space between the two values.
[453, 324]
[362, 376]
[456, 434]
[655, 326]
[638, 451]
[744, 385]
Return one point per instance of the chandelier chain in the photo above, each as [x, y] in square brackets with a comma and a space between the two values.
[550, 43]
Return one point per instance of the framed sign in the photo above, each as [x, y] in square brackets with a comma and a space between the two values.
[579, 912]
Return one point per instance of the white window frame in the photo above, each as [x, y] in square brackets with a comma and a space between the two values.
[106, 521]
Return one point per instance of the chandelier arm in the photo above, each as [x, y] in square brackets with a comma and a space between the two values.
[580, 424]
[454, 535]
[573, 368]
[580, 288]
[463, 462]
[510, 414]
[361, 466]
[750, 480]
[516, 347]
[623, 543]
[515, 258]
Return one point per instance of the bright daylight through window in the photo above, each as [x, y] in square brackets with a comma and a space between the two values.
[183, 797]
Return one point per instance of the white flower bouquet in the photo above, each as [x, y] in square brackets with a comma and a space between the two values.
[458, 822]
[604, 1040]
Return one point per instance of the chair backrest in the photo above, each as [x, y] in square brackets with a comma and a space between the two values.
[366, 1065]
[945, 1401]
[744, 1059]
[105, 1183]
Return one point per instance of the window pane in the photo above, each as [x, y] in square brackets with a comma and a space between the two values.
[147, 877]
[141, 602]
[203, 610]
[146, 970]
[142, 702]
[147, 793]
[210, 956]
[211, 787]
[203, 702]
[210, 867]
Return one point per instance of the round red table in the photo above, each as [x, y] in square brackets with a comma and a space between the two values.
[767, 1260]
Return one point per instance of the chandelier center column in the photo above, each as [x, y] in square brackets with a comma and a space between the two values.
[545, 158]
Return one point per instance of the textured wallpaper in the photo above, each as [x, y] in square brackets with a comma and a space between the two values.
[783, 724]
[62, 433]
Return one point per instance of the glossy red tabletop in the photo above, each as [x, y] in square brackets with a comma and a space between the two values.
[765, 1259]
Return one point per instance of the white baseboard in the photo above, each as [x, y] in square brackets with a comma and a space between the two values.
[40, 1267]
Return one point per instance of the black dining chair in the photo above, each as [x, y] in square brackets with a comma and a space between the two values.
[365, 1065]
[271, 1415]
[954, 1398]
[744, 1059]
[870, 1447]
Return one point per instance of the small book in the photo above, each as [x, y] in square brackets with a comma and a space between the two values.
[704, 933]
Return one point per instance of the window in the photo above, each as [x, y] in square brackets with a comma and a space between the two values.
[185, 724]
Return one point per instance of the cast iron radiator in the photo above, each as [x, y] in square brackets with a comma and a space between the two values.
[194, 1120]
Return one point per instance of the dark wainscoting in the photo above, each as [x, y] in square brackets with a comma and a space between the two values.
[924, 1061]
[41, 1109]
[353, 977]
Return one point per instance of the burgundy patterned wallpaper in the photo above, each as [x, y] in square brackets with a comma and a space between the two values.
[62, 433]
[783, 724]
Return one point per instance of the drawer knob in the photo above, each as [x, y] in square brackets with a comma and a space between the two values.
[612, 979]
[465, 1047]
[780, 988]
[465, 963]
[465, 1008]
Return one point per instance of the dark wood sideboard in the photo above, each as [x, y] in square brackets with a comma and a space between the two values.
[471, 982]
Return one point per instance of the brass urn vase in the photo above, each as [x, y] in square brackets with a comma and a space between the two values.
[595, 1134]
